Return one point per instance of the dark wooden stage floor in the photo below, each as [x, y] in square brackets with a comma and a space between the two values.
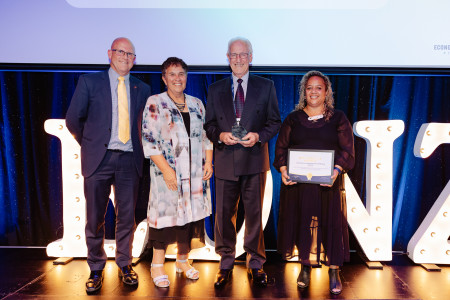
[30, 274]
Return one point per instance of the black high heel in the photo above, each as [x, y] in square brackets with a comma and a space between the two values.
[304, 277]
[335, 281]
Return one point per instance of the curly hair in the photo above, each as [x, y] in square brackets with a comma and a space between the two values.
[329, 99]
[173, 61]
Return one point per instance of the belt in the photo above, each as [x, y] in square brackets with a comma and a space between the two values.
[117, 150]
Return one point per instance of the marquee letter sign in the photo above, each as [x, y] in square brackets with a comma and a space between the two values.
[73, 242]
[371, 224]
[373, 227]
[430, 242]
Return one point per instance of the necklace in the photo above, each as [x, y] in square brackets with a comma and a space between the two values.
[313, 118]
[180, 106]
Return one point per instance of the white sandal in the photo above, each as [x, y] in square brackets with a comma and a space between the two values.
[192, 273]
[159, 279]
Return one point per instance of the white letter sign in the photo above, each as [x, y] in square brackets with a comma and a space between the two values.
[371, 224]
[73, 242]
[373, 227]
[429, 243]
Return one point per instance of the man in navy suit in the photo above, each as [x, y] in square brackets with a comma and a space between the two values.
[107, 159]
[241, 117]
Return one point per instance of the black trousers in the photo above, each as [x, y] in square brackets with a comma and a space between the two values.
[117, 170]
[250, 189]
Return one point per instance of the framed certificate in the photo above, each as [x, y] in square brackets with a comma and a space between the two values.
[310, 166]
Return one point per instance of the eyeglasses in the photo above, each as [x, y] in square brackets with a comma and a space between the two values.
[241, 55]
[122, 53]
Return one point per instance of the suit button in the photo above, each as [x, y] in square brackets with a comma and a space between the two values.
[106, 145]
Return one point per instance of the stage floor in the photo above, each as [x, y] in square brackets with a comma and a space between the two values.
[30, 274]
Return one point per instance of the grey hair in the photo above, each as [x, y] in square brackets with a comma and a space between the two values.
[240, 39]
[329, 99]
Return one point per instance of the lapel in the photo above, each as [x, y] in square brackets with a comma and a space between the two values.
[133, 96]
[106, 91]
[250, 100]
[226, 102]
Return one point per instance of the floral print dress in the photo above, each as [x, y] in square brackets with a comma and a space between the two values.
[164, 132]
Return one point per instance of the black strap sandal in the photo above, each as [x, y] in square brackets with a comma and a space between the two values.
[335, 281]
[304, 277]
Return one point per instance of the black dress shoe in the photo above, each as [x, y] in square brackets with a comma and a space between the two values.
[128, 275]
[94, 282]
[222, 277]
[258, 276]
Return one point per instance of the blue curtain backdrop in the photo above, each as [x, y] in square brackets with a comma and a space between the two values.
[30, 166]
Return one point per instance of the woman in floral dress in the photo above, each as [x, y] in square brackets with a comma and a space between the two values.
[180, 167]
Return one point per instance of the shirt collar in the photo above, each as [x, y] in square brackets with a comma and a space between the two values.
[244, 78]
[115, 76]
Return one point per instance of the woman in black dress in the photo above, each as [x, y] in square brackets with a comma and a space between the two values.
[312, 218]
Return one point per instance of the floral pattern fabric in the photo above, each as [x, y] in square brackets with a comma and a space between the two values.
[163, 132]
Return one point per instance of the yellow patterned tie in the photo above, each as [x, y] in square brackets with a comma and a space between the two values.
[124, 116]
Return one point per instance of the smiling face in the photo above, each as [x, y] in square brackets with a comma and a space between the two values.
[122, 64]
[175, 79]
[315, 92]
[238, 64]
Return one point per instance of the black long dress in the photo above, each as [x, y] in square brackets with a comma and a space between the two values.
[313, 217]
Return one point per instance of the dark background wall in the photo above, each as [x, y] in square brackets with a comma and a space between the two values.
[30, 161]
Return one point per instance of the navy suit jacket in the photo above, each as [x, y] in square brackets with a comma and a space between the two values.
[260, 115]
[89, 118]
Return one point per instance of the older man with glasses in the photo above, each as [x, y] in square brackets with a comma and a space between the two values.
[241, 117]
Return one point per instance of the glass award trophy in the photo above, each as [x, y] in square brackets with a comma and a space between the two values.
[237, 130]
